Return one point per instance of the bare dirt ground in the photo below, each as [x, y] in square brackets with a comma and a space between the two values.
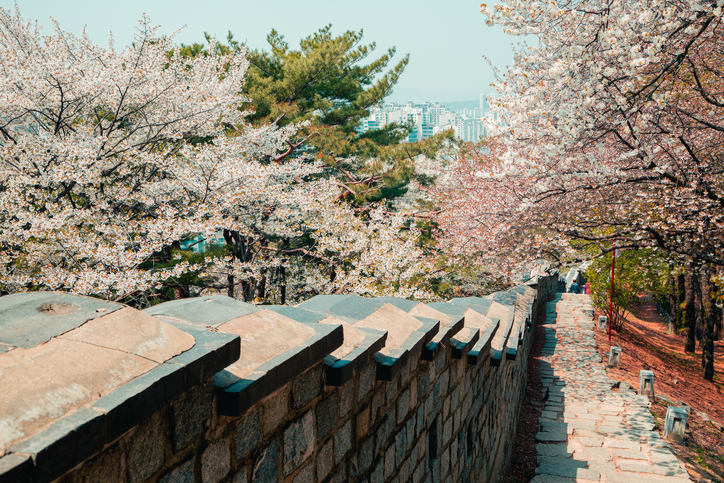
[678, 376]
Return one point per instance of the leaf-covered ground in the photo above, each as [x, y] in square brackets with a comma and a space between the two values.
[678, 376]
[523, 457]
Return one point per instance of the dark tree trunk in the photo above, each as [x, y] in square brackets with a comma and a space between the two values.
[680, 298]
[707, 353]
[261, 287]
[689, 310]
[673, 305]
[240, 250]
[698, 306]
[282, 274]
[230, 288]
[246, 289]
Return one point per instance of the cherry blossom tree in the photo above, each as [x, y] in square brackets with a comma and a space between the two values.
[609, 128]
[617, 115]
[109, 158]
[92, 182]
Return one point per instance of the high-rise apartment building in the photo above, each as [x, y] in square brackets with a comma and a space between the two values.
[429, 119]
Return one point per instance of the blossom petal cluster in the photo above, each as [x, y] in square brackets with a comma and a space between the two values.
[609, 127]
[109, 157]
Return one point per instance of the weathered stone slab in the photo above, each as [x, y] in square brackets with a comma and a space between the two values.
[569, 471]
[101, 355]
[595, 442]
[654, 469]
[554, 436]
[31, 318]
[358, 347]
[106, 369]
[204, 311]
[623, 444]
[560, 450]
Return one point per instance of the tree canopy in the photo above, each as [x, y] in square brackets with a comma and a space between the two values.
[616, 115]
[110, 158]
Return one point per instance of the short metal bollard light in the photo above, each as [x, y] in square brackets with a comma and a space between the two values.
[646, 384]
[603, 323]
[675, 423]
[614, 357]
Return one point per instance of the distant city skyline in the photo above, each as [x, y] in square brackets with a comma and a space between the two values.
[430, 118]
[446, 42]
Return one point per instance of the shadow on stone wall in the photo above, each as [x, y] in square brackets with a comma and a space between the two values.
[339, 388]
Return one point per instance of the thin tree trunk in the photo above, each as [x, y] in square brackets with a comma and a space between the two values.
[698, 306]
[689, 310]
[230, 288]
[261, 287]
[680, 298]
[246, 290]
[707, 353]
[673, 305]
[282, 274]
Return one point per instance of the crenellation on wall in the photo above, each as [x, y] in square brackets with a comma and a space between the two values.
[434, 408]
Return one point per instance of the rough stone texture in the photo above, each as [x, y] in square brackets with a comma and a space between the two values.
[190, 413]
[325, 460]
[107, 466]
[275, 410]
[215, 462]
[247, 434]
[181, 474]
[445, 420]
[266, 467]
[327, 415]
[145, 449]
[307, 386]
[298, 442]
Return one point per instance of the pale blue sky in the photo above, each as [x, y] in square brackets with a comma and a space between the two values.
[446, 40]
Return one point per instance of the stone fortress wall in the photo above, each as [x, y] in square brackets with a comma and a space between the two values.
[340, 388]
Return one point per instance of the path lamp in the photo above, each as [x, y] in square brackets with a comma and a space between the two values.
[675, 423]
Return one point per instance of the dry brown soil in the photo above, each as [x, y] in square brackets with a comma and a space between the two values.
[678, 375]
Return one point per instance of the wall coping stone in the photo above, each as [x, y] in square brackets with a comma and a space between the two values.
[389, 365]
[79, 433]
[237, 394]
[460, 348]
[339, 370]
[496, 324]
[29, 318]
[483, 347]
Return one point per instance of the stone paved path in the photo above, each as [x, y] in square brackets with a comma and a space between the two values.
[590, 431]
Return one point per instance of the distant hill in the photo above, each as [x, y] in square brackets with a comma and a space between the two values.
[455, 105]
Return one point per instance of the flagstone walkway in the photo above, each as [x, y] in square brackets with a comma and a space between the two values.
[591, 431]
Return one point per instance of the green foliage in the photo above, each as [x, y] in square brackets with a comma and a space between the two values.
[464, 276]
[187, 285]
[324, 82]
[330, 83]
[637, 271]
[327, 83]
